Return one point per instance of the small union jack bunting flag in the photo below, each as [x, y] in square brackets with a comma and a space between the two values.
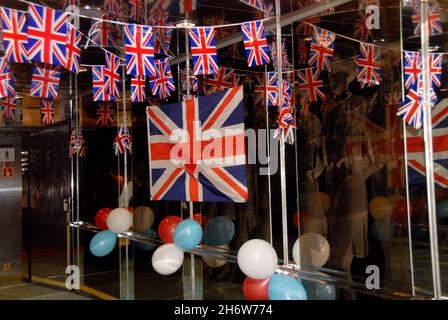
[203, 50]
[47, 111]
[163, 84]
[322, 48]
[257, 4]
[6, 85]
[105, 34]
[412, 68]
[286, 64]
[47, 35]
[255, 43]
[286, 125]
[138, 85]
[9, 107]
[223, 80]
[434, 22]
[137, 10]
[98, 86]
[106, 114]
[362, 32]
[15, 35]
[271, 88]
[193, 81]
[186, 6]
[67, 3]
[305, 27]
[122, 141]
[285, 97]
[45, 81]
[412, 108]
[369, 64]
[77, 144]
[159, 16]
[139, 48]
[112, 75]
[73, 50]
[311, 86]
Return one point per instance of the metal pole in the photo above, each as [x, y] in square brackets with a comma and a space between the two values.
[408, 205]
[282, 140]
[187, 75]
[268, 152]
[429, 161]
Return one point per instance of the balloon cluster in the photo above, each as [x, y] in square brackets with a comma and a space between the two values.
[111, 222]
[184, 235]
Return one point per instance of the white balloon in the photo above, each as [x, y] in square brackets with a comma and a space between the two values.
[257, 259]
[314, 249]
[167, 259]
[119, 220]
[212, 261]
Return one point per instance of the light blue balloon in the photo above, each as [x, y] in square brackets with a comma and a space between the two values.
[103, 243]
[147, 246]
[219, 231]
[442, 209]
[187, 234]
[283, 287]
[319, 291]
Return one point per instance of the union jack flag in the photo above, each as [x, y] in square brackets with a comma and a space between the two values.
[9, 107]
[67, 3]
[369, 64]
[194, 83]
[286, 65]
[255, 43]
[216, 20]
[434, 22]
[435, 69]
[73, 50]
[137, 10]
[223, 80]
[47, 111]
[412, 68]
[362, 32]
[122, 141]
[285, 98]
[271, 88]
[203, 50]
[322, 48]
[111, 6]
[207, 169]
[45, 81]
[15, 36]
[106, 114]
[286, 125]
[187, 6]
[305, 27]
[47, 35]
[257, 4]
[77, 144]
[112, 75]
[98, 86]
[416, 149]
[304, 51]
[105, 34]
[139, 47]
[259, 88]
[138, 84]
[6, 86]
[311, 86]
[412, 109]
[159, 16]
[163, 84]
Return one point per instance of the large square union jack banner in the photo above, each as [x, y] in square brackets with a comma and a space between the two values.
[196, 149]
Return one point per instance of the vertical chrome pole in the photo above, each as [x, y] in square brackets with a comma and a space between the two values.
[268, 152]
[408, 204]
[429, 161]
[282, 139]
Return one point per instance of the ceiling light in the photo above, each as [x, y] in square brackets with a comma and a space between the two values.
[185, 24]
[87, 7]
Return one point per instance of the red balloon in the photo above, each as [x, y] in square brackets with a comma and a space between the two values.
[303, 218]
[201, 219]
[254, 289]
[399, 214]
[131, 210]
[101, 218]
[166, 228]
